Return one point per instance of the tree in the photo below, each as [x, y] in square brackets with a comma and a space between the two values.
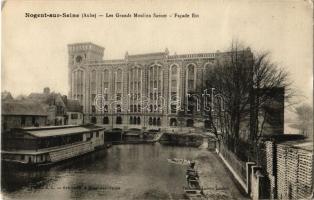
[241, 77]
[270, 83]
[6, 96]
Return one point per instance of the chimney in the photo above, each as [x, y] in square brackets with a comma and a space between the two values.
[46, 90]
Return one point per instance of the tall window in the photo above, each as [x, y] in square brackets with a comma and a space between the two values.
[23, 120]
[173, 83]
[174, 70]
[173, 96]
[150, 121]
[105, 108]
[119, 96]
[190, 77]
[173, 108]
[105, 120]
[190, 84]
[191, 70]
[119, 120]
[119, 80]
[33, 120]
[93, 109]
[106, 79]
[173, 87]
[94, 120]
[118, 108]
[93, 82]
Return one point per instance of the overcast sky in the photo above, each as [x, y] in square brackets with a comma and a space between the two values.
[34, 51]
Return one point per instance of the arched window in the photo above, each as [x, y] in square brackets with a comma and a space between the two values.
[135, 108]
[138, 120]
[139, 74]
[93, 82]
[119, 120]
[191, 70]
[151, 108]
[173, 122]
[131, 120]
[77, 77]
[154, 122]
[189, 123]
[105, 120]
[131, 108]
[106, 80]
[150, 121]
[158, 121]
[174, 70]
[119, 80]
[173, 84]
[190, 77]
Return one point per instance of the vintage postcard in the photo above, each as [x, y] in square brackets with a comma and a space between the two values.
[144, 99]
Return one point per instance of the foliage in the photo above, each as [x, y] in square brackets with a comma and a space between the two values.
[245, 80]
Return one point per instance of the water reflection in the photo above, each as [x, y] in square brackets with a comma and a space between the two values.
[121, 172]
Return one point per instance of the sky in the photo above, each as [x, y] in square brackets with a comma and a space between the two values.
[34, 51]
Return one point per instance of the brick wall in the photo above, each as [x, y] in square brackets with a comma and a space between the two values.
[271, 168]
[287, 170]
[294, 172]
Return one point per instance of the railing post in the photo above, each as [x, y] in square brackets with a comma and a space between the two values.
[248, 176]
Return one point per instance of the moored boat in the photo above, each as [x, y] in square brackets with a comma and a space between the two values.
[193, 189]
[36, 146]
[179, 161]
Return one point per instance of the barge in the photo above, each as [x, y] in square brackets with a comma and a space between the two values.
[37, 146]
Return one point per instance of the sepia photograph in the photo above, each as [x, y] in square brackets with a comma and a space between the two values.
[140, 99]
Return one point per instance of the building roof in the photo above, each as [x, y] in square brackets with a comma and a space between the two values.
[300, 144]
[6, 96]
[73, 106]
[38, 96]
[59, 130]
[47, 98]
[23, 108]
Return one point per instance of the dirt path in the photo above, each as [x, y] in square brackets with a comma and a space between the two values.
[215, 178]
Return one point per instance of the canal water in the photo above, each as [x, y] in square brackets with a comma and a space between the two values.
[121, 172]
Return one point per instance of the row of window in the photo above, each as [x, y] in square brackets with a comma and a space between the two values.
[174, 122]
[134, 108]
[34, 121]
[133, 96]
[135, 120]
[152, 108]
[76, 116]
[152, 121]
[78, 76]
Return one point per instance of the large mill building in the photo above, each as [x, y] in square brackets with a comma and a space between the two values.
[143, 90]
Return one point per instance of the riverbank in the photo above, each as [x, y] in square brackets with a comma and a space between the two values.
[214, 178]
[133, 142]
